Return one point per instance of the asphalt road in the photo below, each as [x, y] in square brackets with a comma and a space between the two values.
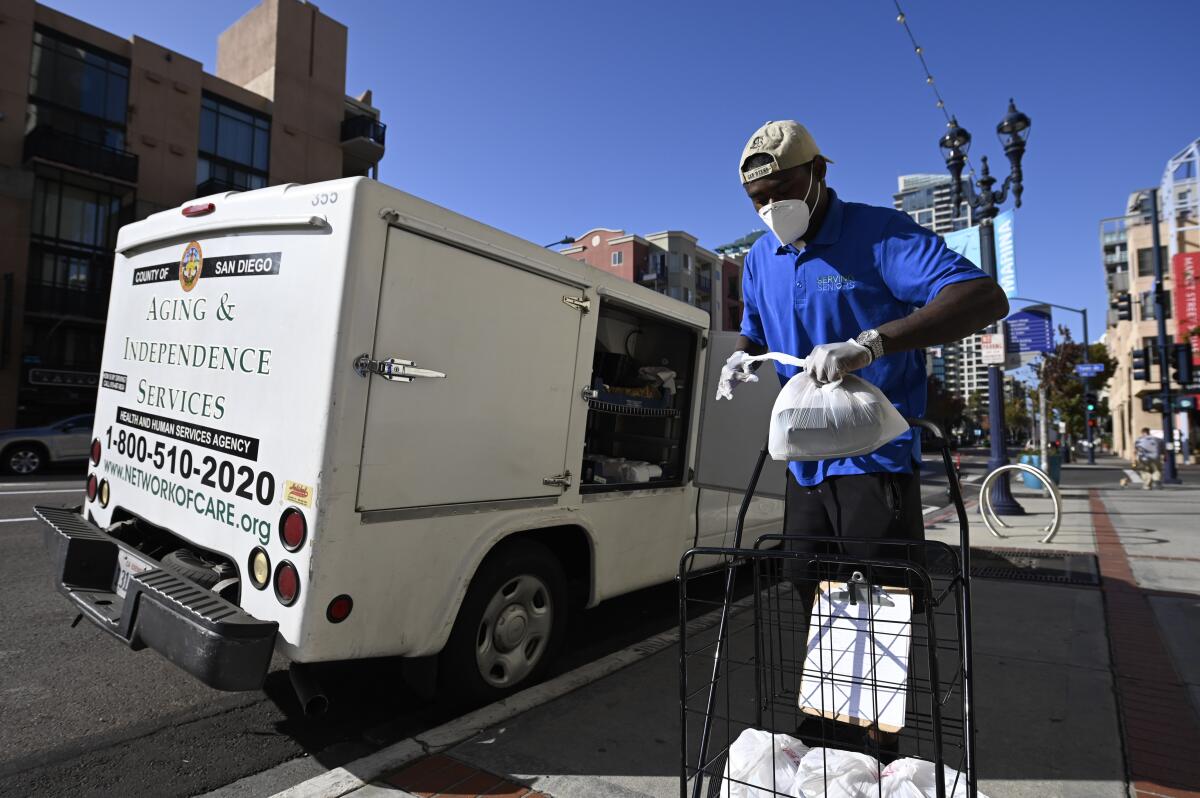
[84, 715]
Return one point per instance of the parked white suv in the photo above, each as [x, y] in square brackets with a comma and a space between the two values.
[29, 450]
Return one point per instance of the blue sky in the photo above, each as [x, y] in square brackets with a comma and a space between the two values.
[548, 118]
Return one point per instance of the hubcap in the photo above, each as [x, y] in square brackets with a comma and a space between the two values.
[513, 631]
[24, 461]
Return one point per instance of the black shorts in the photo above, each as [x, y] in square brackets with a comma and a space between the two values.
[883, 506]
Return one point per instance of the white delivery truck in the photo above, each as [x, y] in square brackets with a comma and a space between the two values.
[340, 422]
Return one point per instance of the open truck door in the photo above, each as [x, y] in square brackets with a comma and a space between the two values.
[731, 435]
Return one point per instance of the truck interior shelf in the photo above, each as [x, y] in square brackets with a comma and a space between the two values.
[629, 410]
[637, 424]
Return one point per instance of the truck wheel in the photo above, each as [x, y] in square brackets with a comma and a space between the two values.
[24, 459]
[510, 624]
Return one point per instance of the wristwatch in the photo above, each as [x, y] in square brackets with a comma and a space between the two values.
[873, 341]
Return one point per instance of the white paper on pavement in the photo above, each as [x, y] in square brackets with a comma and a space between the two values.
[856, 667]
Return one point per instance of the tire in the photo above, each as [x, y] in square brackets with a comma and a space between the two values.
[24, 459]
[190, 565]
[510, 626]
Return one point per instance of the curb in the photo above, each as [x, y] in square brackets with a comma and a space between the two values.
[361, 772]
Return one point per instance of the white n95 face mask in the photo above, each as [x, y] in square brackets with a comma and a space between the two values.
[789, 219]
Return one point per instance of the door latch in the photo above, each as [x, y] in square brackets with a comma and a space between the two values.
[393, 369]
[580, 303]
[562, 480]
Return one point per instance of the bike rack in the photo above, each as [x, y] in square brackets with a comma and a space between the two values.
[985, 499]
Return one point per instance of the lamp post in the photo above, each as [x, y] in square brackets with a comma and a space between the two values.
[1013, 131]
[563, 240]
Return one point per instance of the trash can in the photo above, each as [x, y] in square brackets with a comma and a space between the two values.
[1035, 460]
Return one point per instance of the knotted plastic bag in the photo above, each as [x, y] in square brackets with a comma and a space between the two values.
[845, 418]
[762, 765]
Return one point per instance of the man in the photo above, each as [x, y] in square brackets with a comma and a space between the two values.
[1149, 451]
[853, 288]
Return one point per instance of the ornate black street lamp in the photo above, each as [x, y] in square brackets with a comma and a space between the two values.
[1013, 131]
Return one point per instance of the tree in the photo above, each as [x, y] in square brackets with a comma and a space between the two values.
[1016, 418]
[977, 410]
[942, 407]
[1064, 388]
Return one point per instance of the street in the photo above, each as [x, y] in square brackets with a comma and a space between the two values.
[100, 719]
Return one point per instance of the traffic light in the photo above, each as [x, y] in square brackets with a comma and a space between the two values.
[1152, 403]
[1182, 353]
[1091, 402]
[1141, 364]
[1123, 304]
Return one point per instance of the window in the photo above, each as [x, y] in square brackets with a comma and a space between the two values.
[687, 264]
[925, 217]
[1146, 300]
[1145, 261]
[618, 258]
[77, 89]
[234, 145]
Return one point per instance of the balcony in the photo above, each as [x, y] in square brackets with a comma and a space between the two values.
[362, 141]
[57, 147]
[1118, 282]
[60, 300]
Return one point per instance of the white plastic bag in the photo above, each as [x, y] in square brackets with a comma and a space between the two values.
[845, 418]
[762, 765]
[830, 773]
[917, 778]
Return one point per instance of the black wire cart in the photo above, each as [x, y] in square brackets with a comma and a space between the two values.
[827, 714]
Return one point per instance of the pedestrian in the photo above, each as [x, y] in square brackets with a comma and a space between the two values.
[852, 287]
[1148, 452]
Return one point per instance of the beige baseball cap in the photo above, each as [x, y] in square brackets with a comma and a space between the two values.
[787, 142]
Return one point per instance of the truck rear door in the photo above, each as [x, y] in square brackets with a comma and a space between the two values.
[496, 426]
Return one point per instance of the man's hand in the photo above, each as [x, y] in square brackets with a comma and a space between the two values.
[831, 362]
[736, 370]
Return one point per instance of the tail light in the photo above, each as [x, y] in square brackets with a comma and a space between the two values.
[293, 529]
[92, 487]
[287, 583]
[95, 451]
[102, 492]
[339, 608]
[260, 568]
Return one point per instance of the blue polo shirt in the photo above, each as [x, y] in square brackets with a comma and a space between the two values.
[865, 267]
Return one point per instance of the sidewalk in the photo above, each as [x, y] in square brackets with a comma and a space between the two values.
[1082, 691]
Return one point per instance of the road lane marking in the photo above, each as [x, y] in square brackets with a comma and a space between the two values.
[27, 492]
[971, 478]
[930, 508]
[15, 520]
[33, 484]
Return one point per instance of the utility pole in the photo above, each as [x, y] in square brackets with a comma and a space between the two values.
[1044, 431]
[1170, 476]
[1087, 407]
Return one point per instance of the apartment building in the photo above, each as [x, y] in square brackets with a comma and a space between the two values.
[97, 131]
[927, 199]
[670, 262]
[1127, 254]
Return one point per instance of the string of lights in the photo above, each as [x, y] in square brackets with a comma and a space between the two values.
[902, 18]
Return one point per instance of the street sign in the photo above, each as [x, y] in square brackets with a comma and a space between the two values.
[1030, 330]
[1089, 369]
[991, 349]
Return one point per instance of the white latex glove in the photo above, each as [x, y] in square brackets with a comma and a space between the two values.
[831, 362]
[736, 370]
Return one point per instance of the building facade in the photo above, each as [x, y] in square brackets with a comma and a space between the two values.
[97, 131]
[1127, 252]
[670, 262]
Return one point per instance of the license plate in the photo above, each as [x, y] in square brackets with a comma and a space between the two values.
[127, 566]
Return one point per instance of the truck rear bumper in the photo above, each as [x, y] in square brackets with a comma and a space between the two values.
[202, 633]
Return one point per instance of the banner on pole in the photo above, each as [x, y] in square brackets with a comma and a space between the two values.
[966, 243]
[1185, 267]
